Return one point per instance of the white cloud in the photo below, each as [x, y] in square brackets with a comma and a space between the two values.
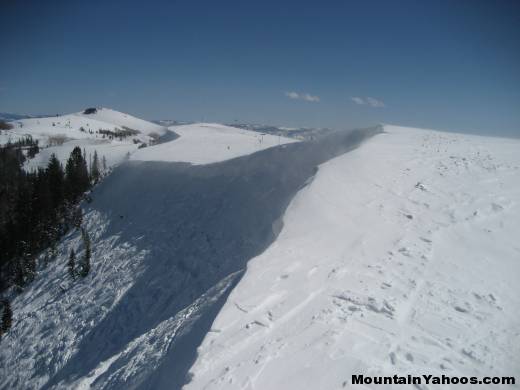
[302, 96]
[369, 101]
[374, 102]
[357, 100]
[310, 98]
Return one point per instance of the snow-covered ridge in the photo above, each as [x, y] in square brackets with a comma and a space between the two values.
[401, 257]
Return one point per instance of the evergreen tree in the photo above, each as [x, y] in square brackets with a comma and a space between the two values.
[56, 179]
[77, 217]
[7, 316]
[94, 171]
[72, 264]
[85, 266]
[76, 175]
[33, 150]
[104, 165]
[42, 210]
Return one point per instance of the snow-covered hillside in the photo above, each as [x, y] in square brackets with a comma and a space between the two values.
[169, 241]
[60, 134]
[401, 257]
[200, 143]
[121, 119]
[398, 255]
[205, 143]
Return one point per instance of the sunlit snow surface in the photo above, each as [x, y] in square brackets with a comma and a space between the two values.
[80, 129]
[205, 143]
[199, 143]
[401, 257]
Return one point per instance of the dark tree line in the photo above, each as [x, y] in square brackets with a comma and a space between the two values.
[118, 133]
[36, 209]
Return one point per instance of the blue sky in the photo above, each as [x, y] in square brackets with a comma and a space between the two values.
[451, 65]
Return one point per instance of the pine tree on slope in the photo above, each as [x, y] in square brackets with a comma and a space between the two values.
[76, 175]
[85, 265]
[94, 171]
[56, 178]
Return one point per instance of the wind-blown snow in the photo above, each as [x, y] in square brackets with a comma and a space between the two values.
[401, 257]
[205, 143]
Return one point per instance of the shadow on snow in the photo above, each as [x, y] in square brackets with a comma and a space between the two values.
[200, 225]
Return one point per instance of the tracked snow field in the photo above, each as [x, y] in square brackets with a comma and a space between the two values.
[401, 257]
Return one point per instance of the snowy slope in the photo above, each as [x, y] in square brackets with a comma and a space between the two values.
[121, 119]
[401, 257]
[200, 143]
[205, 143]
[67, 126]
[67, 129]
[113, 151]
[169, 241]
